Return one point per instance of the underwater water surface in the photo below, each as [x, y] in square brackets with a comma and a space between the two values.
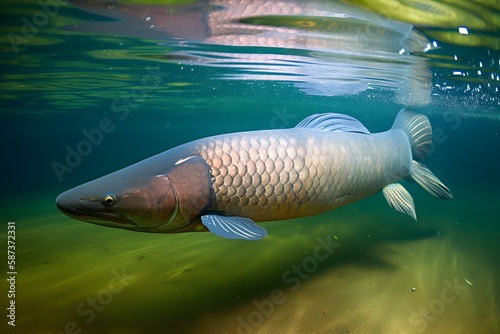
[89, 87]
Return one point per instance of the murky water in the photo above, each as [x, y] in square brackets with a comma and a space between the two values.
[148, 77]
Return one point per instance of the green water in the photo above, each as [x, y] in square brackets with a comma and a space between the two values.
[352, 270]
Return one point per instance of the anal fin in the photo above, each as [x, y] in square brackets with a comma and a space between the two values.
[232, 227]
[429, 181]
[400, 199]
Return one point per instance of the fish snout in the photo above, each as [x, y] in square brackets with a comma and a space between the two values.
[90, 211]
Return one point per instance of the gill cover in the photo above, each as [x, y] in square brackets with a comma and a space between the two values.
[190, 181]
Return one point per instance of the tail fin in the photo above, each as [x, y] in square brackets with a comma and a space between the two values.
[419, 131]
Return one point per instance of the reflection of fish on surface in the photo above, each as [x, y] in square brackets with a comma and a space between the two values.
[338, 49]
[226, 183]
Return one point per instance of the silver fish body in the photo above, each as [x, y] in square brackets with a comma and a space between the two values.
[282, 174]
[226, 183]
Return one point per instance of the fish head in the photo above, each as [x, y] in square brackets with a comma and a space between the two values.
[137, 200]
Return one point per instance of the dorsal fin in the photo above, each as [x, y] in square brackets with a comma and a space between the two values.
[333, 122]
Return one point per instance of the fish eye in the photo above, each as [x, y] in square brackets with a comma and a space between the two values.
[110, 5]
[109, 199]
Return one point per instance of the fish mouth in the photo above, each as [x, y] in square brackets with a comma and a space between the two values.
[112, 219]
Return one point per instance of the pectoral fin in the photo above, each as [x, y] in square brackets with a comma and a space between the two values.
[400, 199]
[233, 227]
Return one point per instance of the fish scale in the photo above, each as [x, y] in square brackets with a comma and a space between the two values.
[279, 174]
